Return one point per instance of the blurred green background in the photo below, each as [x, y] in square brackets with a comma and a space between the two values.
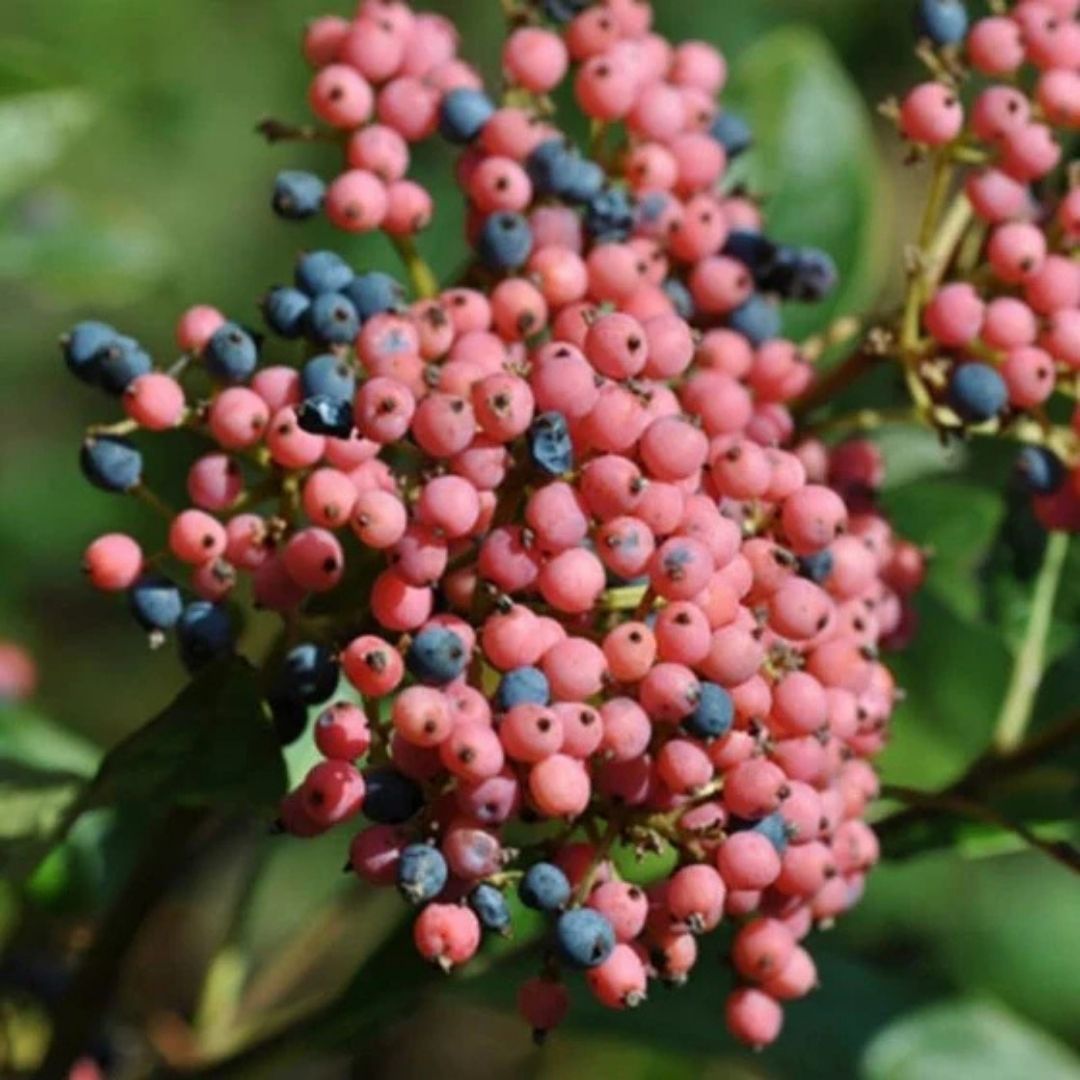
[132, 185]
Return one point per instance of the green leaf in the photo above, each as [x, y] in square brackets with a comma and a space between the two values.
[213, 746]
[966, 1039]
[35, 129]
[31, 739]
[815, 160]
[33, 801]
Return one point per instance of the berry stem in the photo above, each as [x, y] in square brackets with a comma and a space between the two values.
[836, 380]
[1060, 851]
[1027, 672]
[423, 279]
[278, 131]
[154, 501]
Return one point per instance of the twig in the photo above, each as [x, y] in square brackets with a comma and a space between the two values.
[423, 279]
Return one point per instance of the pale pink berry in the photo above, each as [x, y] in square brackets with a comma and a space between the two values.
[560, 786]
[341, 96]
[113, 562]
[197, 326]
[955, 314]
[931, 114]
[535, 59]
[446, 934]
[155, 401]
[357, 201]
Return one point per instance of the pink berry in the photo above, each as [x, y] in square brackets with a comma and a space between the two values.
[113, 562]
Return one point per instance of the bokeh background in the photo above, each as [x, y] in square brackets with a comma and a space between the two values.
[132, 185]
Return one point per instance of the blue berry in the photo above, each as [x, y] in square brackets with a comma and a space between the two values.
[82, 346]
[322, 271]
[489, 905]
[1040, 471]
[232, 354]
[328, 376]
[805, 274]
[977, 392]
[310, 673]
[754, 250]
[297, 194]
[523, 685]
[156, 602]
[375, 292]
[289, 715]
[733, 133]
[544, 887]
[285, 310]
[609, 216]
[713, 714]
[390, 797]
[562, 11]
[505, 241]
[681, 298]
[584, 937]
[332, 320]
[584, 181]
[550, 447]
[463, 114]
[322, 415]
[204, 632]
[757, 319]
[817, 567]
[120, 362]
[775, 829]
[436, 656]
[421, 873]
[549, 166]
[110, 463]
[944, 22]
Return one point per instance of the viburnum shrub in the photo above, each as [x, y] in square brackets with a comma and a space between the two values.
[564, 572]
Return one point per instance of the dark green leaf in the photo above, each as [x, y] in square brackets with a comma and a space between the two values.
[213, 746]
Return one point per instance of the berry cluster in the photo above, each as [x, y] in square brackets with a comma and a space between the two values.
[589, 594]
[1000, 302]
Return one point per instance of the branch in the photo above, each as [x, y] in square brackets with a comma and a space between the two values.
[80, 1011]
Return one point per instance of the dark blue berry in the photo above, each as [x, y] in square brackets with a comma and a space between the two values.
[1040, 471]
[977, 392]
[328, 376]
[310, 672]
[390, 797]
[297, 194]
[548, 166]
[775, 829]
[463, 114]
[421, 873]
[375, 292]
[733, 133]
[120, 362]
[817, 567]
[332, 320]
[544, 887]
[156, 602]
[110, 463]
[753, 249]
[757, 319]
[322, 271]
[713, 714]
[232, 354]
[489, 905]
[944, 22]
[523, 685]
[584, 937]
[505, 241]
[550, 447]
[204, 632]
[436, 656]
[289, 715]
[82, 346]
[804, 274]
[609, 216]
[285, 310]
[652, 206]
[322, 415]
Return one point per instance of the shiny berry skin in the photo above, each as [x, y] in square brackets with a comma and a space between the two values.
[297, 195]
[584, 938]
